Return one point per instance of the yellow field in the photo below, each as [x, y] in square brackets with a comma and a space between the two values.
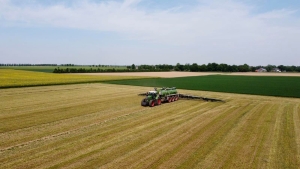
[19, 78]
[104, 126]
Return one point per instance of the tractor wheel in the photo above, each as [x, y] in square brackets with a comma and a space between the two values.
[158, 102]
[151, 103]
[173, 99]
[170, 99]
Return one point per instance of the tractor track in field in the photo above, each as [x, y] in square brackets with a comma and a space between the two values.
[172, 120]
[60, 145]
[213, 159]
[111, 146]
[297, 128]
[66, 132]
[151, 144]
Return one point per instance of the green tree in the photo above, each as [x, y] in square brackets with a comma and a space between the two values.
[270, 67]
[186, 67]
[244, 68]
[194, 67]
[179, 67]
[282, 68]
[202, 68]
[133, 66]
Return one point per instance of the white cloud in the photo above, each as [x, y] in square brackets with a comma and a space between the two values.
[277, 14]
[125, 17]
[226, 26]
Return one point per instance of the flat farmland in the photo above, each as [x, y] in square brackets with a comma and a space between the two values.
[10, 78]
[104, 126]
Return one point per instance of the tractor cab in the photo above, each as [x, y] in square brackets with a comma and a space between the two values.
[152, 94]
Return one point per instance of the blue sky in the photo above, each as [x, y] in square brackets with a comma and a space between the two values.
[122, 32]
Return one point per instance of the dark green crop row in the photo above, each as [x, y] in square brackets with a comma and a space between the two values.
[256, 85]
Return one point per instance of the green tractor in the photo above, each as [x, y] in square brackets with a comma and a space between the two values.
[165, 94]
[158, 96]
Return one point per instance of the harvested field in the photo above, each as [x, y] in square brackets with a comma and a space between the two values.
[104, 126]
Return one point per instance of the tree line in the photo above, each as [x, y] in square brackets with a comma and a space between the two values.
[215, 67]
[210, 67]
[98, 70]
[26, 64]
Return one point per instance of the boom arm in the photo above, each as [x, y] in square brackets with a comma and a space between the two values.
[185, 96]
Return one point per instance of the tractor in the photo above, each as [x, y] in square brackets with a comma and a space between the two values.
[168, 94]
[159, 96]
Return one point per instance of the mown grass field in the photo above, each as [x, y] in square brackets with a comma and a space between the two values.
[256, 85]
[50, 69]
[20, 78]
[104, 126]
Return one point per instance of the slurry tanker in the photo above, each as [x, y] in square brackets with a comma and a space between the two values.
[168, 94]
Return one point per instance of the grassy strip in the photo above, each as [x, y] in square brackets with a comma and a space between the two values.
[256, 85]
[19, 78]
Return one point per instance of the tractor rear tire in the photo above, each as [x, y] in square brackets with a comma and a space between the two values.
[152, 103]
[158, 101]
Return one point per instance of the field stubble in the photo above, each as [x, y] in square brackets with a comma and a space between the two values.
[102, 125]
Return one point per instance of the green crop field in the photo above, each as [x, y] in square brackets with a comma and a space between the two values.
[50, 69]
[257, 85]
[20, 78]
[103, 126]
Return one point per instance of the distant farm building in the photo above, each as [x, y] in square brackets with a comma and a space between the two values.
[275, 70]
[261, 70]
